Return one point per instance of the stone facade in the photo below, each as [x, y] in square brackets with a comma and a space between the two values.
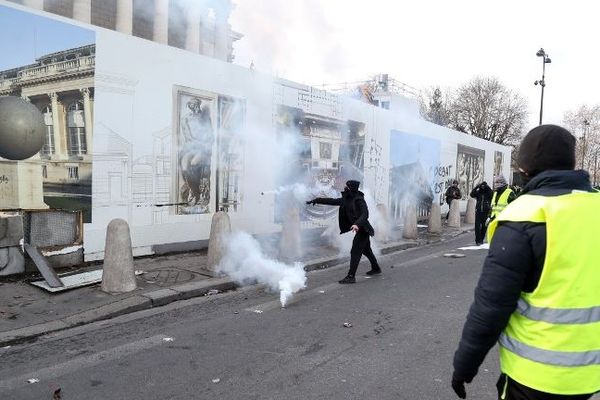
[200, 26]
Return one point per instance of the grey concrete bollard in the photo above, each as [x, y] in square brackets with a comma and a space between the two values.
[409, 230]
[290, 243]
[470, 214]
[382, 228]
[435, 219]
[118, 274]
[454, 216]
[220, 228]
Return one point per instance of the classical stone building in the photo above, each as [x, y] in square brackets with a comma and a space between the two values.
[200, 26]
[61, 85]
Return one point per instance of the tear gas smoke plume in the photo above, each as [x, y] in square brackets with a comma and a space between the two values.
[302, 192]
[245, 263]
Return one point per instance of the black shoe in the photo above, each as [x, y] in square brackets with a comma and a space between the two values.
[348, 279]
[374, 271]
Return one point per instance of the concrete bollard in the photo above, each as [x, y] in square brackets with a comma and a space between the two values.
[454, 216]
[290, 243]
[470, 214]
[118, 273]
[435, 219]
[220, 228]
[409, 230]
[382, 228]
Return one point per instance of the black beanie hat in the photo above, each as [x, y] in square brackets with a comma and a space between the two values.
[547, 147]
[353, 185]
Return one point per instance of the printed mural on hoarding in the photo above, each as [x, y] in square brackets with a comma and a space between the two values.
[469, 168]
[414, 168]
[209, 151]
[51, 64]
[328, 152]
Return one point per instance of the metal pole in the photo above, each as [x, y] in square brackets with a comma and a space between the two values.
[543, 84]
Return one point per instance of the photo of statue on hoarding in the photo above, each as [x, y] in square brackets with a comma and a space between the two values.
[498, 162]
[413, 164]
[207, 141]
[469, 168]
[329, 152]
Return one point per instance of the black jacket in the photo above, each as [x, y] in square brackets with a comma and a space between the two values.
[353, 210]
[514, 264]
[483, 194]
[452, 193]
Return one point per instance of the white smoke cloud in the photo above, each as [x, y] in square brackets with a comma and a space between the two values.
[245, 263]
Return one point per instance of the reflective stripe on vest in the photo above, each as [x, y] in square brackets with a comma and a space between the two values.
[498, 206]
[562, 358]
[552, 340]
[559, 315]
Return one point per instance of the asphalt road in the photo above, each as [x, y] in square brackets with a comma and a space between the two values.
[241, 345]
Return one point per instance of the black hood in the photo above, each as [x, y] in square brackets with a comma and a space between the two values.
[558, 182]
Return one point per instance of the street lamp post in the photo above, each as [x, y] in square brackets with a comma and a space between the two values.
[545, 60]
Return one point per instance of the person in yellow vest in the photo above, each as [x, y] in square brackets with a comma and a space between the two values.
[503, 194]
[538, 295]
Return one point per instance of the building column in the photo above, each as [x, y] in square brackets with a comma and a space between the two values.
[192, 34]
[59, 148]
[89, 120]
[222, 35]
[37, 4]
[124, 16]
[161, 21]
[82, 11]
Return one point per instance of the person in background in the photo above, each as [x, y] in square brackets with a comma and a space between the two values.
[538, 295]
[353, 216]
[452, 193]
[502, 196]
[482, 193]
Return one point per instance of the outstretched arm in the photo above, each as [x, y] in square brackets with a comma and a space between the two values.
[326, 201]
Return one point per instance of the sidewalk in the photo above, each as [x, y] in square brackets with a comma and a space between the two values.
[27, 312]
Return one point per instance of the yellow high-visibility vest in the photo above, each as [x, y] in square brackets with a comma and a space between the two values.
[552, 341]
[498, 206]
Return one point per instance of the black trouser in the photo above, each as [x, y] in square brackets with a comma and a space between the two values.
[480, 228]
[509, 389]
[361, 245]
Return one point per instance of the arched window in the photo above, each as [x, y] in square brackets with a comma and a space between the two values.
[49, 146]
[76, 128]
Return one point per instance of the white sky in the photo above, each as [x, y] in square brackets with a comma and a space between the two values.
[429, 42]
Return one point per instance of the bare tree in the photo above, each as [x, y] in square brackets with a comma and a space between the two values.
[482, 107]
[485, 108]
[434, 105]
[584, 123]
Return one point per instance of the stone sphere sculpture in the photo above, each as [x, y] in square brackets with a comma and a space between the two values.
[22, 128]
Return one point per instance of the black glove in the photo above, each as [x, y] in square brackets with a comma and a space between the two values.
[311, 202]
[458, 385]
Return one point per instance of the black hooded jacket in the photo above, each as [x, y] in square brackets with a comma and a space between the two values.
[353, 210]
[483, 195]
[514, 264]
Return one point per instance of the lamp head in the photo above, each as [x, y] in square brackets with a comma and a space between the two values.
[540, 53]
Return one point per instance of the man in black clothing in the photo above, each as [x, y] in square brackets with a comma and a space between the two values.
[515, 267]
[483, 194]
[353, 216]
[452, 193]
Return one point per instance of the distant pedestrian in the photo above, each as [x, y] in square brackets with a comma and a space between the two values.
[452, 193]
[538, 295]
[503, 195]
[482, 193]
[353, 216]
